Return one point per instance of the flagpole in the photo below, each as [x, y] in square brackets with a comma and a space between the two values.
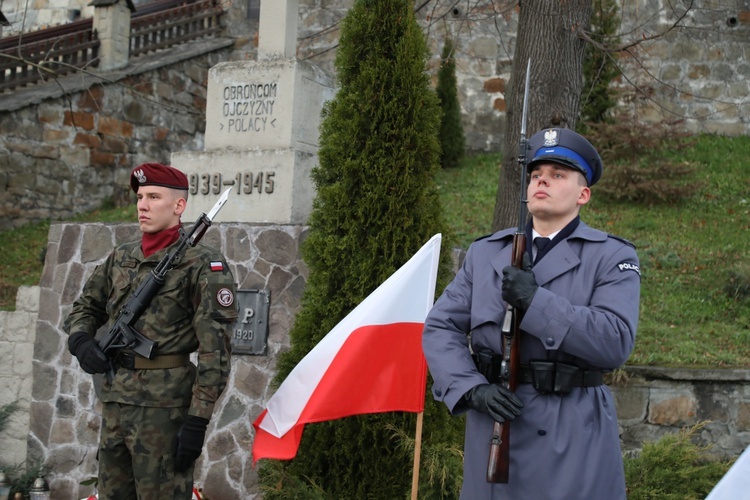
[417, 450]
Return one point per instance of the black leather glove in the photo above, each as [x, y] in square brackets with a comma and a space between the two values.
[519, 285]
[495, 401]
[90, 357]
[189, 442]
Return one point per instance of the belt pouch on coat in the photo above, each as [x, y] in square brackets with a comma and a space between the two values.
[543, 376]
[489, 364]
[565, 375]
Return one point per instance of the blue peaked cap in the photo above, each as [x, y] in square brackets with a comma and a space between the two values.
[563, 146]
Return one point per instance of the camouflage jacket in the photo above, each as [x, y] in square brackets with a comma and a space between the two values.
[193, 311]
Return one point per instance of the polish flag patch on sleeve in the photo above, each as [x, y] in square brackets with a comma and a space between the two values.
[217, 265]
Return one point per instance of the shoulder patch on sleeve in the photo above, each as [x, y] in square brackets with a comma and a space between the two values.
[225, 297]
[629, 266]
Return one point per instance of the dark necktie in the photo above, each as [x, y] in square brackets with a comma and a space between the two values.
[541, 244]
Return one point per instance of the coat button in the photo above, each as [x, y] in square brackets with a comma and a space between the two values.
[438, 392]
[550, 341]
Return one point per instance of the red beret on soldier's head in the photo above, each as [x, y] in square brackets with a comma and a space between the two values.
[156, 174]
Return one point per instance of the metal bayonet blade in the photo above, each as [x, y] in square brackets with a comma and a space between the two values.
[215, 210]
[525, 100]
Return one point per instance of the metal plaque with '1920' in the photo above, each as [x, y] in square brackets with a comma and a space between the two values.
[250, 334]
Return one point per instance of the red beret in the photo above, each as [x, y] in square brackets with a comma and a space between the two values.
[156, 174]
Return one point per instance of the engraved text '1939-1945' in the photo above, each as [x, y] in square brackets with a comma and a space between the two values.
[247, 182]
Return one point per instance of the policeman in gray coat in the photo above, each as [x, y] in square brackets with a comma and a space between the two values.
[578, 297]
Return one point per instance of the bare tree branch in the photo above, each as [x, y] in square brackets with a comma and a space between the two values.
[625, 48]
[629, 49]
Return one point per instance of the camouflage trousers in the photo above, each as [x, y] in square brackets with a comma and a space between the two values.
[136, 454]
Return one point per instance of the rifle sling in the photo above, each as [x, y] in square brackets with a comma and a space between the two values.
[134, 362]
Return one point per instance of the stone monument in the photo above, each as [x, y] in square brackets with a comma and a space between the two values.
[262, 120]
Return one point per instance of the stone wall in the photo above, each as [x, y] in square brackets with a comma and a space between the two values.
[691, 68]
[17, 333]
[67, 146]
[653, 401]
[696, 71]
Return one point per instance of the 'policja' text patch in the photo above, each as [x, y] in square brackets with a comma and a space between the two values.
[629, 266]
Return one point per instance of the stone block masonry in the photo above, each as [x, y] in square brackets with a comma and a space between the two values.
[695, 72]
[17, 333]
[655, 401]
[64, 154]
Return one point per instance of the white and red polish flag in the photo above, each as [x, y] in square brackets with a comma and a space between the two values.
[371, 362]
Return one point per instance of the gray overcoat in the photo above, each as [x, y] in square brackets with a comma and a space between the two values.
[585, 311]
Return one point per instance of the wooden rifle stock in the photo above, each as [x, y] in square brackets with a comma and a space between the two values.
[498, 464]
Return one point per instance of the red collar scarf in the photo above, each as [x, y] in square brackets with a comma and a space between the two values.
[152, 243]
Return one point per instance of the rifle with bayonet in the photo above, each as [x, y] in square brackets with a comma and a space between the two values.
[122, 334]
[498, 464]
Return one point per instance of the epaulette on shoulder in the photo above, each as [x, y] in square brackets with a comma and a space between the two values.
[128, 246]
[621, 239]
[207, 249]
[483, 237]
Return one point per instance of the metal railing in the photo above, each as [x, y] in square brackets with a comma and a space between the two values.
[174, 25]
[53, 52]
[41, 56]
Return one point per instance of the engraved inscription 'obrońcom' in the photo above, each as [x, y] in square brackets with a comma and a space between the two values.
[249, 107]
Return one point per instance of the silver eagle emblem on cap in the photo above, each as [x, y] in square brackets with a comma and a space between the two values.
[140, 175]
[551, 138]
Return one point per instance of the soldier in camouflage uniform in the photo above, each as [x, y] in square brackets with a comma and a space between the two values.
[155, 412]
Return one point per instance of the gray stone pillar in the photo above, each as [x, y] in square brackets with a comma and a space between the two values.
[275, 43]
[262, 120]
[112, 24]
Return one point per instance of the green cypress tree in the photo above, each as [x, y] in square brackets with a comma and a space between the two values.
[376, 205]
[599, 69]
[452, 140]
